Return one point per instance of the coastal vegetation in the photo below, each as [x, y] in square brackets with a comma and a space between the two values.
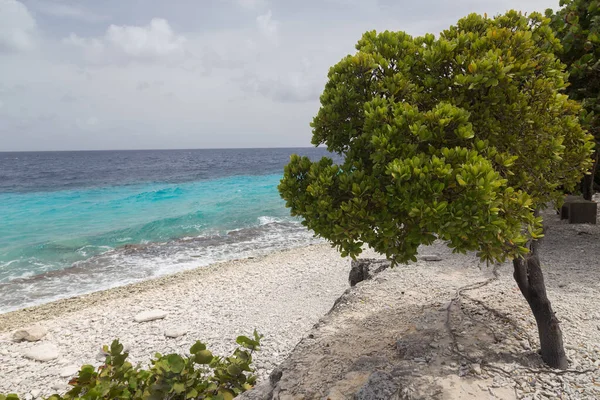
[462, 138]
[201, 375]
[577, 25]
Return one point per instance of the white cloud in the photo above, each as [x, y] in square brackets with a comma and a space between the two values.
[267, 26]
[209, 77]
[92, 48]
[17, 26]
[157, 40]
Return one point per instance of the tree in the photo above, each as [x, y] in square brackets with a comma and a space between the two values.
[577, 25]
[460, 138]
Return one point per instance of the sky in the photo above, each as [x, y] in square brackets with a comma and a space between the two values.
[157, 74]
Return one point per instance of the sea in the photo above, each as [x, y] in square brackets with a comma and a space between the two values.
[77, 222]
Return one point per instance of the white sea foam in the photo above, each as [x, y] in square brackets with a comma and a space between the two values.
[89, 250]
[133, 264]
[265, 219]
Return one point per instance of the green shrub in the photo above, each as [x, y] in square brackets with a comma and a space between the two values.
[201, 375]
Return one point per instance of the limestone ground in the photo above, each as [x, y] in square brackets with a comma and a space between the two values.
[455, 329]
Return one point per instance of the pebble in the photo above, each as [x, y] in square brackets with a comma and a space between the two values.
[476, 369]
[175, 332]
[59, 386]
[430, 257]
[69, 371]
[43, 352]
[150, 315]
[30, 334]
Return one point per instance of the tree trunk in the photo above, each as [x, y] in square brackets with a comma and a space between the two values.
[587, 184]
[529, 277]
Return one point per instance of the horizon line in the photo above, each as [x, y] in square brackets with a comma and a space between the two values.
[170, 149]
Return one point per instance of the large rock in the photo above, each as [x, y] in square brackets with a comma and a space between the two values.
[43, 352]
[150, 315]
[366, 268]
[31, 334]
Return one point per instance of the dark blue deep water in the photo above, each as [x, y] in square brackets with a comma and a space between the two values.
[77, 222]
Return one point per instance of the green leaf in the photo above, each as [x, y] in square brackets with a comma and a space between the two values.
[176, 363]
[234, 370]
[178, 388]
[198, 346]
[227, 394]
[247, 342]
[203, 357]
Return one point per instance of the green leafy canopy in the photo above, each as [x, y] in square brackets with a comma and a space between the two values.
[577, 25]
[459, 137]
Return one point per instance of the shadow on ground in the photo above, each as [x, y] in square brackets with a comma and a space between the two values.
[442, 352]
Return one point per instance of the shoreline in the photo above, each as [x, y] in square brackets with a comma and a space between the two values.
[281, 294]
[128, 264]
[15, 319]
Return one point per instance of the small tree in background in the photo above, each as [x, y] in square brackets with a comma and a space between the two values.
[577, 25]
[461, 138]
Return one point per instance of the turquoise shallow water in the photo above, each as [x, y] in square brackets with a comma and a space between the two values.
[43, 231]
[60, 243]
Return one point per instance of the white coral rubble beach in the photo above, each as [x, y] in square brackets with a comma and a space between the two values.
[282, 295]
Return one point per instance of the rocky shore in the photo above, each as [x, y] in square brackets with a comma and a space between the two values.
[282, 295]
[445, 327]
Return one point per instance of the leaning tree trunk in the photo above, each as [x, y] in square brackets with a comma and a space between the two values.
[529, 277]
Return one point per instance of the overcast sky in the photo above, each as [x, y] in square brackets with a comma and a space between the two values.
[154, 74]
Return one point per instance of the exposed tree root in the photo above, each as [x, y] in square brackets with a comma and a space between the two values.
[457, 301]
